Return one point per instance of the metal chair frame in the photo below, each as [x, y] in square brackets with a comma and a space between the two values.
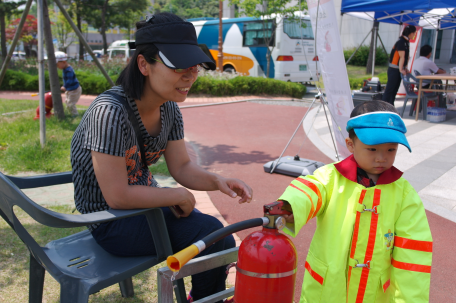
[411, 94]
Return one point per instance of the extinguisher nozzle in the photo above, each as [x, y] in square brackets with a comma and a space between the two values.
[176, 261]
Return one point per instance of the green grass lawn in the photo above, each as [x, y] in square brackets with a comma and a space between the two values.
[356, 75]
[360, 71]
[14, 266]
[20, 148]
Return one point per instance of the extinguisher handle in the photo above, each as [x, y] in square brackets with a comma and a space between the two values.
[276, 208]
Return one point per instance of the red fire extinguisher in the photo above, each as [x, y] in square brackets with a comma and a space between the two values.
[48, 106]
[267, 260]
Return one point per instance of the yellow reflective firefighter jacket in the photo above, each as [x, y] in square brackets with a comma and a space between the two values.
[371, 244]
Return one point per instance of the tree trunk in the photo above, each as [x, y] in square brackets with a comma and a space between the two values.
[268, 60]
[103, 26]
[52, 65]
[3, 34]
[81, 46]
[371, 53]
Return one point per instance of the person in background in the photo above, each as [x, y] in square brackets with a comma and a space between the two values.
[71, 85]
[425, 66]
[398, 63]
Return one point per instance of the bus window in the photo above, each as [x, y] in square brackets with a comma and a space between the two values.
[254, 33]
[293, 29]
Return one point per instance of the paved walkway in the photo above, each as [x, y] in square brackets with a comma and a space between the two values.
[87, 99]
[231, 140]
[430, 168]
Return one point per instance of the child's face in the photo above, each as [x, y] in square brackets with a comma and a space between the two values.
[61, 64]
[374, 159]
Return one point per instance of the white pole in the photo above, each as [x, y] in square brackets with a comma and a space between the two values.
[375, 31]
[435, 40]
[39, 8]
[340, 24]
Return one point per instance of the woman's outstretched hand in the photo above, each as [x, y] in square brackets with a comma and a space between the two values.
[235, 188]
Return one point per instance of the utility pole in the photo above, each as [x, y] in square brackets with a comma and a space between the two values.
[39, 8]
[220, 41]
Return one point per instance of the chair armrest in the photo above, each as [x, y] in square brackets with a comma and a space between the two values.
[43, 180]
[58, 220]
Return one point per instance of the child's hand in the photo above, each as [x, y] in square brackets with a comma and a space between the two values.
[63, 88]
[289, 218]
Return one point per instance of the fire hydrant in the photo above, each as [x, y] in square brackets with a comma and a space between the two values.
[48, 106]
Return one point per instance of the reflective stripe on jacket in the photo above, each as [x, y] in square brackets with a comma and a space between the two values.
[371, 244]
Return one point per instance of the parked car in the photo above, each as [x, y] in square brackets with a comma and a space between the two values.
[18, 56]
[120, 50]
[88, 57]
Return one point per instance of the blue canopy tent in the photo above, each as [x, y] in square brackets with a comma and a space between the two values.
[435, 14]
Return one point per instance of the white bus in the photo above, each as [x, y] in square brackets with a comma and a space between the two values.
[244, 48]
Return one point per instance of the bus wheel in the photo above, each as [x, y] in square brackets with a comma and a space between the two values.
[229, 69]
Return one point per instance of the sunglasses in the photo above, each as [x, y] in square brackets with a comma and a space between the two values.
[194, 69]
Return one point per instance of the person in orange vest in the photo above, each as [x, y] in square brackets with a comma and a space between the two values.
[372, 242]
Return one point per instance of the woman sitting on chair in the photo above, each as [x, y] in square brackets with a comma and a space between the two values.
[108, 170]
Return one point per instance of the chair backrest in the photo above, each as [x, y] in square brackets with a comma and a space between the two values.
[11, 195]
[409, 85]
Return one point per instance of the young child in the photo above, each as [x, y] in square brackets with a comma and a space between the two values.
[71, 85]
[372, 242]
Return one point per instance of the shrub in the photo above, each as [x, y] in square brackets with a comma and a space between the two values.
[211, 84]
[246, 85]
[362, 55]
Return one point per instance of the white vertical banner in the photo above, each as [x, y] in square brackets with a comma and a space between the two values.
[332, 66]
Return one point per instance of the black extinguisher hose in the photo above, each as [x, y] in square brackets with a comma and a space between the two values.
[228, 230]
[176, 261]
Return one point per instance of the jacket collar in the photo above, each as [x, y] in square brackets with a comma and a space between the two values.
[348, 169]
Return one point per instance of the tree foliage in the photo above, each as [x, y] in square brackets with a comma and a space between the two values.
[187, 9]
[7, 9]
[29, 30]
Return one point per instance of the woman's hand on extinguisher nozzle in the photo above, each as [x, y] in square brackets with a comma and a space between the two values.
[289, 218]
[235, 188]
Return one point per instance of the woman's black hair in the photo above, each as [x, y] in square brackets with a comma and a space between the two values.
[369, 107]
[408, 30]
[131, 79]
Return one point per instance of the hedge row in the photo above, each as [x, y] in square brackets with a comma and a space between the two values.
[246, 85]
[94, 84]
[362, 55]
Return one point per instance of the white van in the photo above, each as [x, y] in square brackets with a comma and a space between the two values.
[119, 50]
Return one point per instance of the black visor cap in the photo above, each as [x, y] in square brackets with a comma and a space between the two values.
[177, 41]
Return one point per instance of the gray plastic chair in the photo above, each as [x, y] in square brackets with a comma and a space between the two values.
[77, 262]
[411, 94]
[435, 85]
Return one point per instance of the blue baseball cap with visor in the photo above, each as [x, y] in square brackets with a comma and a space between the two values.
[378, 128]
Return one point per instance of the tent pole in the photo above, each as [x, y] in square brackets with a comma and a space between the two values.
[340, 25]
[81, 37]
[384, 48]
[435, 40]
[15, 39]
[358, 47]
[376, 23]
[39, 9]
